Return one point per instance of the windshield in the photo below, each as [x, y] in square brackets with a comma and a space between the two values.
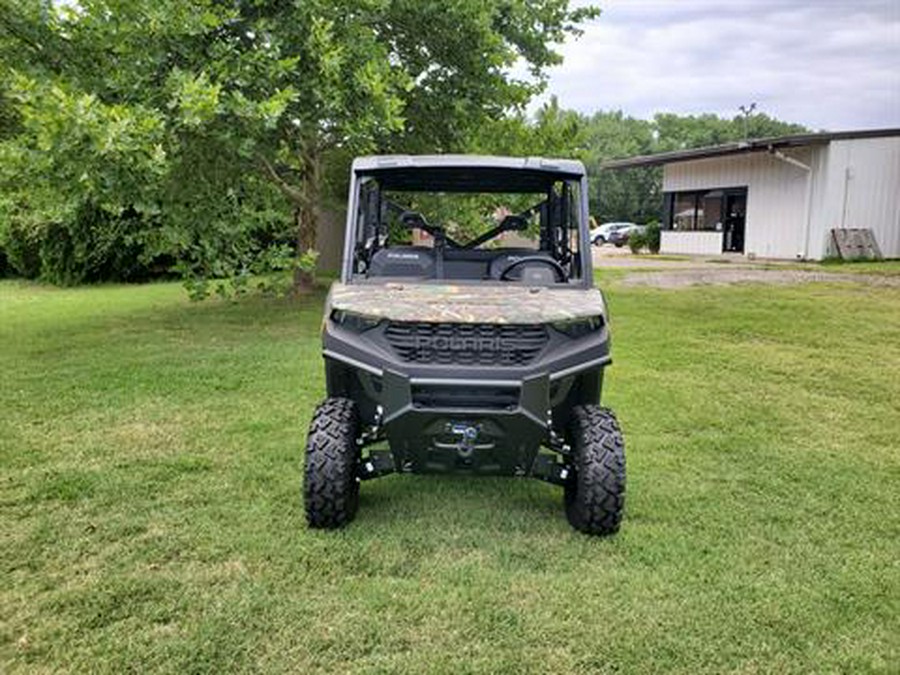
[456, 227]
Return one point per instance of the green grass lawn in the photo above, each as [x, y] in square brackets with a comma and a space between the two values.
[152, 522]
[880, 267]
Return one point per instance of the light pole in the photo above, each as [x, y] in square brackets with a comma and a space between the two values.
[746, 112]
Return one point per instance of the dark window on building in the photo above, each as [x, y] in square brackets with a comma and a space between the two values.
[702, 210]
[684, 213]
[709, 213]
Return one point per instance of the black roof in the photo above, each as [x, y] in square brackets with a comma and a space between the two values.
[752, 145]
[467, 173]
[465, 180]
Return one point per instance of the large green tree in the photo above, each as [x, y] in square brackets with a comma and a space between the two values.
[194, 114]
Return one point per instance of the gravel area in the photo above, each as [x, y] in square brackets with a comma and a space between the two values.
[610, 257]
[706, 276]
[721, 270]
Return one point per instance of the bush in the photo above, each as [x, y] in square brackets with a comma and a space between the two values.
[22, 248]
[652, 236]
[649, 239]
[94, 245]
[246, 241]
[636, 241]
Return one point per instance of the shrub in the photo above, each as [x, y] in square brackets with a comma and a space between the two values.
[22, 248]
[246, 241]
[90, 245]
[651, 237]
[636, 241]
[95, 246]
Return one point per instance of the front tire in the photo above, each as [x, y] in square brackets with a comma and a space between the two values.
[331, 486]
[595, 492]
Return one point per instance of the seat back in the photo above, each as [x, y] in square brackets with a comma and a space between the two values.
[509, 256]
[403, 261]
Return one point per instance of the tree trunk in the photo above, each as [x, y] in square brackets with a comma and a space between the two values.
[307, 218]
[305, 198]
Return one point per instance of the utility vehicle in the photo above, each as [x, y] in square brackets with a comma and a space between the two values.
[466, 335]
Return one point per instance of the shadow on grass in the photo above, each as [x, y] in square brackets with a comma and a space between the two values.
[453, 501]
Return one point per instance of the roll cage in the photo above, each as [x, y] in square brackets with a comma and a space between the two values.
[558, 221]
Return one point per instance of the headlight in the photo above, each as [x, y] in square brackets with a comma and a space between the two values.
[576, 328]
[354, 322]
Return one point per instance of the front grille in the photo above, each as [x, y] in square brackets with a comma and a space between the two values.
[482, 344]
[452, 396]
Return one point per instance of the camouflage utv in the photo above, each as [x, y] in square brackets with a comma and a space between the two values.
[466, 335]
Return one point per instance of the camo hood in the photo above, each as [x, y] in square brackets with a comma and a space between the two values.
[445, 303]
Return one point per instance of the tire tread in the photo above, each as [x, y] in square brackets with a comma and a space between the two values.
[595, 495]
[330, 487]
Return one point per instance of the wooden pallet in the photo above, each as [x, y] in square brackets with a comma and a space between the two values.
[855, 244]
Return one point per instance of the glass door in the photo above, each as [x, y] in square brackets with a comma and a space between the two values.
[734, 222]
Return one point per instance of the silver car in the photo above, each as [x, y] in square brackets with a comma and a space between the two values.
[601, 235]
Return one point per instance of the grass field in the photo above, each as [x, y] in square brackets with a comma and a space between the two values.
[151, 514]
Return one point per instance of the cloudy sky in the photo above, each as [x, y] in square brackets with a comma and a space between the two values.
[829, 64]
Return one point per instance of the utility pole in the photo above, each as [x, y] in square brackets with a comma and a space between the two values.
[746, 112]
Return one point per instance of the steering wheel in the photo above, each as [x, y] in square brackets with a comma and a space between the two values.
[414, 219]
[560, 272]
[514, 222]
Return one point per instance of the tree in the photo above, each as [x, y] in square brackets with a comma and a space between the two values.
[193, 112]
[676, 132]
[636, 194]
[627, 195]
[621, 195]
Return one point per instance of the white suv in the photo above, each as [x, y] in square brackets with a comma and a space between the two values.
[600, 235]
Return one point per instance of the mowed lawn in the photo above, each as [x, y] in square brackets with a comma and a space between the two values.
[151, 455]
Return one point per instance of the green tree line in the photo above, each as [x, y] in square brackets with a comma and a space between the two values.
[201, 138]
[632, 194]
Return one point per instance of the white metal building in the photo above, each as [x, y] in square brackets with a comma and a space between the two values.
[780, 197]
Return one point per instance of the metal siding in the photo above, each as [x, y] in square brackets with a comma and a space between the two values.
[822, 195]
[862, 189]
[777, 199]
[776, 196]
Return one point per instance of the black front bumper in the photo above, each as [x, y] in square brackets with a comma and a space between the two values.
[431, 430]
[440, 418]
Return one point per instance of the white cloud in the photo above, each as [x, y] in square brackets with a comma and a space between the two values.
[829, 64]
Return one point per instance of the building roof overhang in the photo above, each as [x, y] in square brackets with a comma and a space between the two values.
[748, 146]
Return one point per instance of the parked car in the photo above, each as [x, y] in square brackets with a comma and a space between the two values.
[601, 235]
[619, 237]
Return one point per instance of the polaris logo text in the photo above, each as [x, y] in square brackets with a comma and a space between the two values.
[464, 343]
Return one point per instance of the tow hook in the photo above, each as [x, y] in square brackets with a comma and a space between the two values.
[467, 434]
[465, 441]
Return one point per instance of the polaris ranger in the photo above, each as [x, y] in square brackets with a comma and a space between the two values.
[466, 335]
